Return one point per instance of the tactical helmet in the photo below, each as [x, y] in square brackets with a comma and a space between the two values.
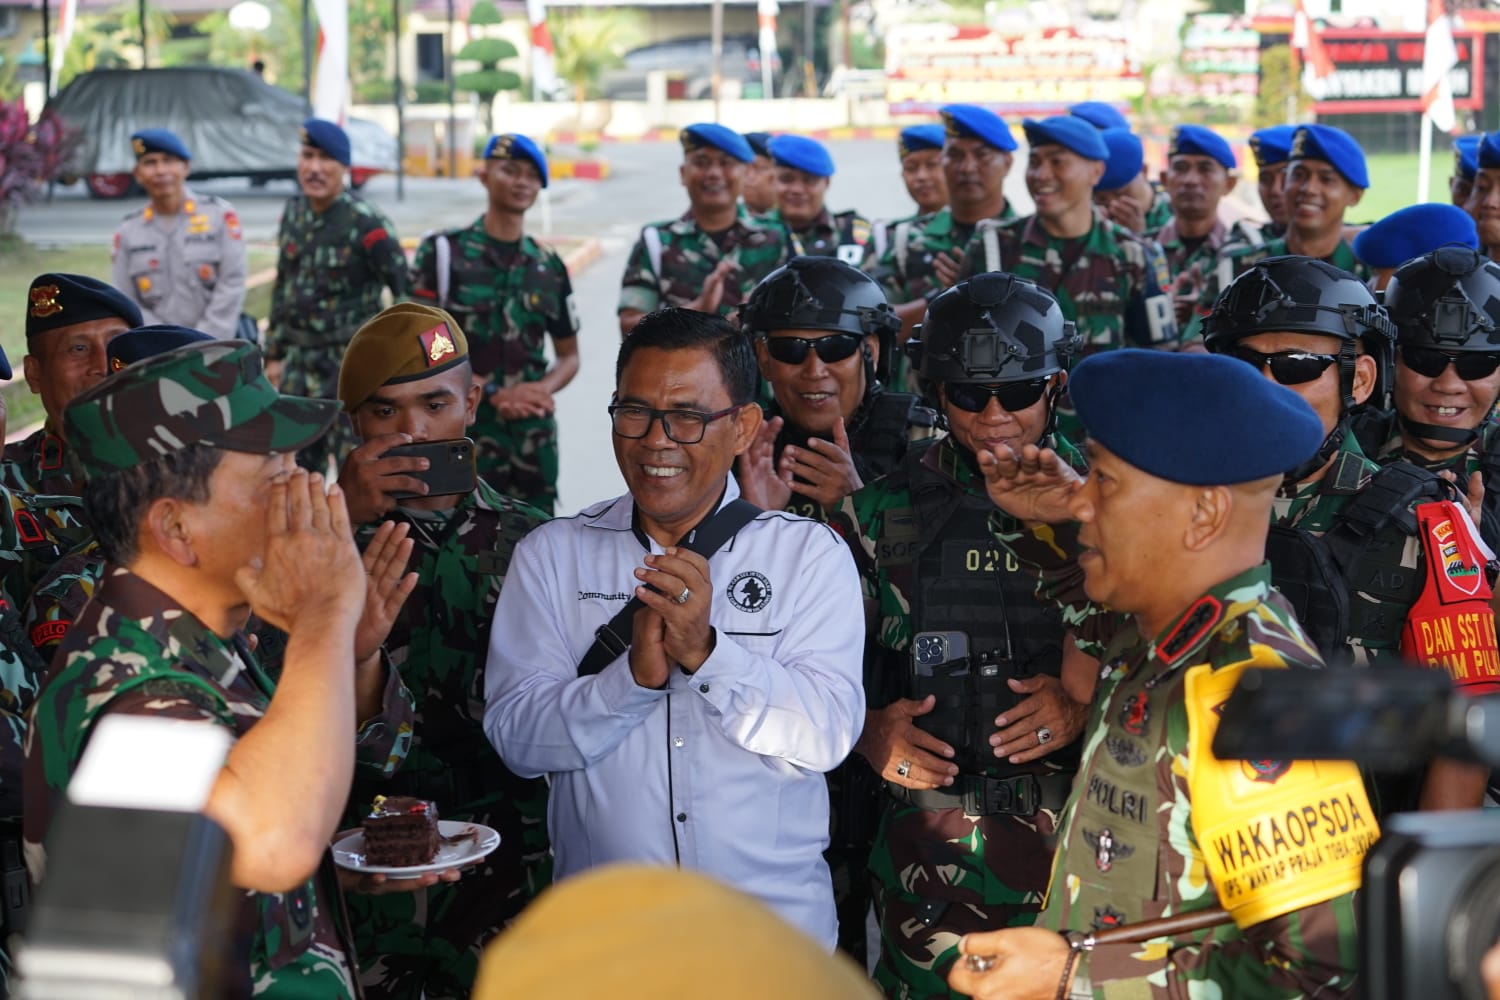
[823, 293]
[1449, 298]
[995, 327]
[1291, 294]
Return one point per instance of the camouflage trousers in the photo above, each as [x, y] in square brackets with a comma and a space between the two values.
[939, 874]
[517, 457]
[313, 372]
[413, 945]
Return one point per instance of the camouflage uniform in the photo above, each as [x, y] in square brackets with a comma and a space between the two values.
[939, 873]
[59, 596]
[508, 298]
[905, 269]
[1236, 258]
[329, 276]
[672, 259]
[1482, 456]
[1189, 264]
[1130, 848]
[41, 463]
[1159, 212]
[845, 236]
[411, 943]
[1255, 234]
[136, 651]
[1114, 288]
[188, 269]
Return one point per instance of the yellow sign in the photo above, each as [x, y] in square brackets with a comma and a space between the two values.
[1276, 836]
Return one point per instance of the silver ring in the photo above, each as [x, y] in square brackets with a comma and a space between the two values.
[1043, 736]
[903, 768]
[682, 598]
[979, 963]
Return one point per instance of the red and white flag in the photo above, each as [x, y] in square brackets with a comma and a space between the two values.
[1439, 57]
[1317, 64]
[543, 67]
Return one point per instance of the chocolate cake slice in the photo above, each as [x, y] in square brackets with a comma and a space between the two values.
[400, 832]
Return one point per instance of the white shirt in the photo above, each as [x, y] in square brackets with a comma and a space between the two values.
[723, 770]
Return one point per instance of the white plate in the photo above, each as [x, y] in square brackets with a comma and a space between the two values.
[349, 852]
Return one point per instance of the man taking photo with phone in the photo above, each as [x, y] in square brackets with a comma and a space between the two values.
[406, 381]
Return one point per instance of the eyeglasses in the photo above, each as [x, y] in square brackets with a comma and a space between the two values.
[1287, 367]
[682, 426]
[793, 350]
[974, 397]
[1431, 362]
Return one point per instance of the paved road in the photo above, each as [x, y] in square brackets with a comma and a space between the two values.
[644, 187]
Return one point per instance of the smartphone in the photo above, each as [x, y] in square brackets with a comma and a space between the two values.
[932, 649]
[450, 466]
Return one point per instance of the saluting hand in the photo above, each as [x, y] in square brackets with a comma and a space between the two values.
[824, 470]
[310, 574]
[682, 597]
[1033, 484]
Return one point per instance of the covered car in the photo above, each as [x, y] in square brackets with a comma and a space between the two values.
[235, 123]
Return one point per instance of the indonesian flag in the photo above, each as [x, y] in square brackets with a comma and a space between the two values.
[543, 70]
[1439, 57]
[1317, 63]
[67, 21]
[330, 90]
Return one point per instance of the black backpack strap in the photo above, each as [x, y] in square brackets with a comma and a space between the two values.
[1388, 497]
[613, 637]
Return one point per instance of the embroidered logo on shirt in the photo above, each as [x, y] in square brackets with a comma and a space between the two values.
[750, 591]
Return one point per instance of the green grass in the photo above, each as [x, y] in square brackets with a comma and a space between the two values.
[1393, 184]
[20, 262]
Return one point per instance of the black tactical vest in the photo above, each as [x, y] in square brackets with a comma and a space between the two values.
[976, 619]
[1348, 585]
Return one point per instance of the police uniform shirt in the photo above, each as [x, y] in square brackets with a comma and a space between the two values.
[188, 269]
[723, 770]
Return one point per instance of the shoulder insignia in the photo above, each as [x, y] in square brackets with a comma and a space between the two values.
[46, 632]
[373, 237]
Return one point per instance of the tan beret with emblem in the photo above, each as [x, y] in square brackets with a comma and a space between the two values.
[404, 343]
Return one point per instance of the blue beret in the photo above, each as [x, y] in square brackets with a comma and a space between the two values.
[1334, 147]
[915, 138]
[1099, 114]
[514, 146]
[1271, 146]
[1067, 131]
[148, 341]
[1197, 419]
[1466, 155]
[1488, 155]
[966, 121]
[1195, 140]
[325, 135]
[801, 153]
[59, 300]
[760, 142]
[1414, 231]
[1125, 159]
[159, 140]
[710, 135]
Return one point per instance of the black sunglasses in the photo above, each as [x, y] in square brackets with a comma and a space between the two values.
[973, 397]
[1287, 367]
[1431, 362]
[793, 350]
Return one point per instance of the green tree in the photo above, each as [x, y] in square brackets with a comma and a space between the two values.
[279, 46]
[587, 45]
[1281, 97]
[489, 53]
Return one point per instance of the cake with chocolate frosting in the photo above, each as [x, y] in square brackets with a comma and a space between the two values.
[400, 832]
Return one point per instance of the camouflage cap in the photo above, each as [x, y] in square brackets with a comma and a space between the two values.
[406, 342]
[213, 393]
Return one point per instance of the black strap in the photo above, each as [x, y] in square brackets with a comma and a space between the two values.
[613, 637]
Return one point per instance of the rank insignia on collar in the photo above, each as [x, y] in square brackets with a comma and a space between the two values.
[1107, 850]
[437, 345]
[1191, 627]
[116, 364]
[44, 301]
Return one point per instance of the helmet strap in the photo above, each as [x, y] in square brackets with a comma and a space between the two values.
[1332, 443]
[1348, 358]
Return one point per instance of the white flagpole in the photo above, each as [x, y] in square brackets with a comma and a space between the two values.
[1424, 162]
